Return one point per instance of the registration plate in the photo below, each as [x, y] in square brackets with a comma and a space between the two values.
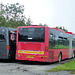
[30, 57]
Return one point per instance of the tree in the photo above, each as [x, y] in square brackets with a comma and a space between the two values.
[28, 22]
[45, 24]
[14, 11]
[62, 28]
[12, 15]
[2, 21]
[40, 24]
[2, 18]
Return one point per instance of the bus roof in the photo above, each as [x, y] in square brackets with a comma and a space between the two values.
[31, 26]
[64, 31]
[70, 33]
[59, 30]
[9, 28]
[45, 26]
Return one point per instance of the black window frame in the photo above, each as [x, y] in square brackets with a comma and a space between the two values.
[32, 40]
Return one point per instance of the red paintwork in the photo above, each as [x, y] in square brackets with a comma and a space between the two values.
[50, 55]
[35, 46]
[70, 33]
[30, 46]
[54, 53]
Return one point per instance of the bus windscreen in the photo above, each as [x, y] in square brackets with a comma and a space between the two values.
[31, 34]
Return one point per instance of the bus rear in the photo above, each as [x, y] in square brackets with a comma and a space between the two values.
[32, 43]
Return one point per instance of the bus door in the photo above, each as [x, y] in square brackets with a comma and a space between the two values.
[12, 44]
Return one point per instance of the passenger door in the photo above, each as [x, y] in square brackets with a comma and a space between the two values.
[12, 43]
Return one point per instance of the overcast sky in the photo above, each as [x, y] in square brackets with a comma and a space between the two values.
[52, 12]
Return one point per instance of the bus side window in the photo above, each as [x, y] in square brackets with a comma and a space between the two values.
[2, 38]
[51, 41]
[73, 42]
[60, 42]
[66, 43]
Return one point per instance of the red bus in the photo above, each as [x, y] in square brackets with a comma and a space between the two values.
[44, 44]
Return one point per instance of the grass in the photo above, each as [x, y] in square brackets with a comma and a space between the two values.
[69, 66]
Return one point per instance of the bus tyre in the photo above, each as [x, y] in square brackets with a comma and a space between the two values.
[74, 54]
[60, 57]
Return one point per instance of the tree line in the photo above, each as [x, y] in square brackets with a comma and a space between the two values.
[12, 15]
[62, 28]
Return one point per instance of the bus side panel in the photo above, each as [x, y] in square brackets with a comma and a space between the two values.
[3, 44]
[3, 50]
[54, 54]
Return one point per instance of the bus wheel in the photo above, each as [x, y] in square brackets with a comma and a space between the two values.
[60, 57]
[74, 54]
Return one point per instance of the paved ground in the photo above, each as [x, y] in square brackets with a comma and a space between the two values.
[30, 68]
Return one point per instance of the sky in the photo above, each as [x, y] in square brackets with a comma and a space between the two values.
[51, 12]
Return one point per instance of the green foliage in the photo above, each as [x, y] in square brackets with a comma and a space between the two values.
[28, 22]
[40, 24]
[14, 11]
[45, 24]
[62, 28]
[12, 15]
[69, 66]
[2, 21]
